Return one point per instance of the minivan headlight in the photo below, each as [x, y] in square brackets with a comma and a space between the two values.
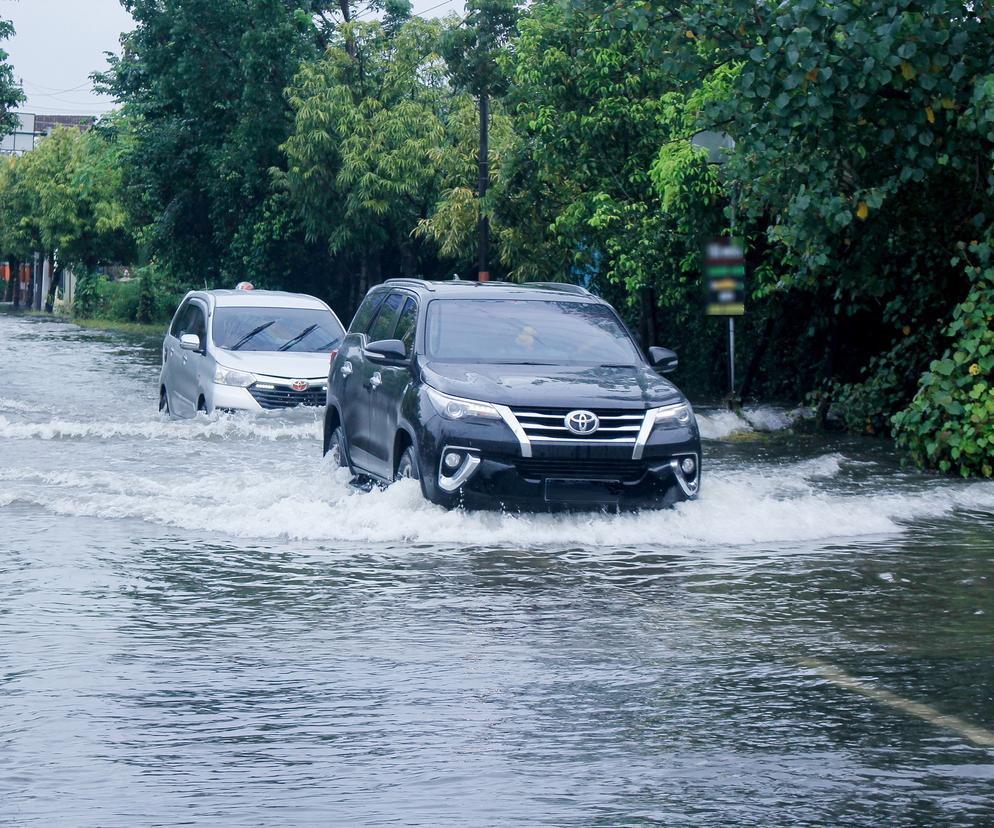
[674, 416]
[457, 408]
[229, 376]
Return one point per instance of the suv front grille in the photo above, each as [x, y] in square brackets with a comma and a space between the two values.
[581, 469]
[282, 396]
[543, 425]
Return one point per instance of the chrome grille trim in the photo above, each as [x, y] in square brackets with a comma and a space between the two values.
[618, 427]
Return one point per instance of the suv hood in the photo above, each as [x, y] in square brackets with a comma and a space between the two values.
[553, 386]
[275, 363]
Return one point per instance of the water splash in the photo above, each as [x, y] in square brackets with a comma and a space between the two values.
[770, 505]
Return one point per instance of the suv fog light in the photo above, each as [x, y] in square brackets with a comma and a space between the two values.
[688, 465]
[452, 460]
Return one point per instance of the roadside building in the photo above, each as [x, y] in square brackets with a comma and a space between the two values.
[32, 128]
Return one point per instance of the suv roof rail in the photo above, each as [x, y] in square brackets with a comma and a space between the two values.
[422, 283]
[564, 287]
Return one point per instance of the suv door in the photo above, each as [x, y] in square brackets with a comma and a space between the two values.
[386, 402]
[347, 385]
[368, 380]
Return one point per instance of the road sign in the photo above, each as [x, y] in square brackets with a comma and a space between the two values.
[724, 276]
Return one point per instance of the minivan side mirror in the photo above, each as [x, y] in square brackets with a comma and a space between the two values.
[663, 359]
[189, 342]
[386, 349]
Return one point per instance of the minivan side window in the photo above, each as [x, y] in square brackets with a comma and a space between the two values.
[177, 325]
[367, 310]
[386, 320]
[407, 324]
[198, 323]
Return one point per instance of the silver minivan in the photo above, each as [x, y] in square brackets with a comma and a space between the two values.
[247, 349]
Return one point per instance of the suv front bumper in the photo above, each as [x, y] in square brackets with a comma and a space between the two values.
[492, 472]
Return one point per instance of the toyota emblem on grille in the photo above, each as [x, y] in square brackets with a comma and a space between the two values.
[300, 385]
[582, 422]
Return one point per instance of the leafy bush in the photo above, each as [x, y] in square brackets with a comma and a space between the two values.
[122, 300]
[950, 423]
[891, 378]
[89, 295]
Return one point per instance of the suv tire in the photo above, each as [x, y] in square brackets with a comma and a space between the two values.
[336, 443]
[408, 465]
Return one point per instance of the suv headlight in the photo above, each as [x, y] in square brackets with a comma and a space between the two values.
[229, 376]
[456, 408]
[674, 416]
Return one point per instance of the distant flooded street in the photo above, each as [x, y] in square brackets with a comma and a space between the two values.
[201, 623]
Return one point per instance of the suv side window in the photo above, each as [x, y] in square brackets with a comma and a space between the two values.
[177, 326]
[407, 324]
[386, 320]
[367, 310]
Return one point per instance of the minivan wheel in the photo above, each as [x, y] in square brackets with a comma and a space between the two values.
[336, 447]
[408, 465]
[163, 400]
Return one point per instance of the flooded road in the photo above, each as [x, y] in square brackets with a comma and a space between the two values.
[201, 624]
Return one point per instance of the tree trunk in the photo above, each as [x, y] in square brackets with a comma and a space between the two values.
[15, 276]
[31, 287]
[757, 357]
[56, 273]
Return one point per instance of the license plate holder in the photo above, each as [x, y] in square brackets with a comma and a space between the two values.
[564, 490]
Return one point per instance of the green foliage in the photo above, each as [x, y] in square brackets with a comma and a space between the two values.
[890, 380]
[90, 294]
[11, 95]
[202, 85]
[950, 423]
[362, 168]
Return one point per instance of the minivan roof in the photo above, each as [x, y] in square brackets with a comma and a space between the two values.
[263, 298]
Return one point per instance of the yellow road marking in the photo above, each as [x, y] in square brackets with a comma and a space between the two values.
[974, 733]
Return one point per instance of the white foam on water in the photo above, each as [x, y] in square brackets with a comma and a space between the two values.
[216, 426]
[20, 407]
[763, 505]
[718, 424]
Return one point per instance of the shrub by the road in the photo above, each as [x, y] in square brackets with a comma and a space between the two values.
[950, 423]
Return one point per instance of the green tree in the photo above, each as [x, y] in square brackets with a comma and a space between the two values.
[360, 160]
[203, 83]
[11, 95]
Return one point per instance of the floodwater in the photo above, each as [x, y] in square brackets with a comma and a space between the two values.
[201, 624]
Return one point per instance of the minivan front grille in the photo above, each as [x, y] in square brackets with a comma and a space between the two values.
[282, 396]
[581, 469]
[544, 425]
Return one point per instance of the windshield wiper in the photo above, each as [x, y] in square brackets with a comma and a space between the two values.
[286, 346]
[252, 333]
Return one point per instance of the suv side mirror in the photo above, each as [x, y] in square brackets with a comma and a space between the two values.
[663, 359]
[386, 349]
[189, 342]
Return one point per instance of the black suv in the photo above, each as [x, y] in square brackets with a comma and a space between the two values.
[505, 395]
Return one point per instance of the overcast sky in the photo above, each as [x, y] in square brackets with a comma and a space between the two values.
[60, 42]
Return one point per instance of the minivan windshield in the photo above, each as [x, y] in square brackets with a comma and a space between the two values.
[308, 330]
[527, 332]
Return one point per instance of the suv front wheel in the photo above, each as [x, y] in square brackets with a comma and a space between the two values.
[408, 465]
[336, 447]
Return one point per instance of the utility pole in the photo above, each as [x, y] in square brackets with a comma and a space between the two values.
[483, 266]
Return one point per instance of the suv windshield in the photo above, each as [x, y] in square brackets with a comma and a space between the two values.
[308, 330]
[527, 332]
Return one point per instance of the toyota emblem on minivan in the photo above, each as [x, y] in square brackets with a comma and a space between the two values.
[582, 422]
[300, 385]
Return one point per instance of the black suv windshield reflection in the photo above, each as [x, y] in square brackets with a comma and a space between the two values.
[307, 330]
[527, 332]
